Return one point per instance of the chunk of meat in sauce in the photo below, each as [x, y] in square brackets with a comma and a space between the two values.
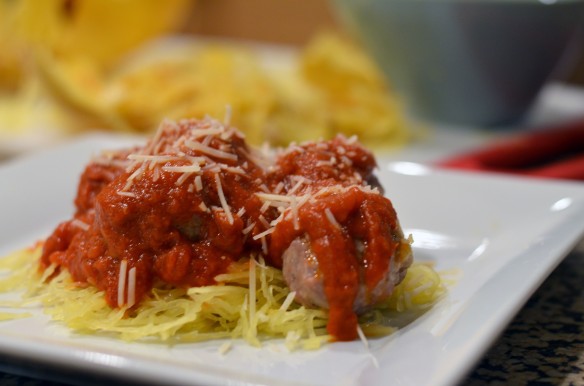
[145, 211]
[302, 274]
[343, 249]
[349, 241]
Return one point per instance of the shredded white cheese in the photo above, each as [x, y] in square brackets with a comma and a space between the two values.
[80, 224]
[222, 199]
[198, 183]
[263, 234]
[210, 150]
[331, 218]
[131, 287]
[126, 194]
[249, 228]
[122, 282]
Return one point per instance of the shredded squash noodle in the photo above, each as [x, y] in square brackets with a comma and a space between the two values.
[251, 302]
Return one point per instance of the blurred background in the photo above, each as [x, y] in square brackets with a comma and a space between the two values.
[293, 70]
[288, 70]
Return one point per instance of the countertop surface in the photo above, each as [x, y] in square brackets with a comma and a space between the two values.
[544, 344]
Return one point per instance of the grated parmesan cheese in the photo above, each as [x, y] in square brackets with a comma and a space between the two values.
[203, 207]
[80, 224]
[210, 151]
[198, 183]
[249, 228]
[264, 233]
[122, 282]
[222, 199]
[331, 218]
[131, 287]
[126, 194]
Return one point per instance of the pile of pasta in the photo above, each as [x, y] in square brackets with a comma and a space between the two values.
[251, 302]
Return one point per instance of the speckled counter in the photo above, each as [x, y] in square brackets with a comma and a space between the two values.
[544, 345]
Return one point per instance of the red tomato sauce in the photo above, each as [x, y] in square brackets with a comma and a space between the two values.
[196, 198]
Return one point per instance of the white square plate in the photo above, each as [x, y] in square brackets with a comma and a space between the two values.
[503, 234]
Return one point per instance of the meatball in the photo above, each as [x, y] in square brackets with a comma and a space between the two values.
[301, 272]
